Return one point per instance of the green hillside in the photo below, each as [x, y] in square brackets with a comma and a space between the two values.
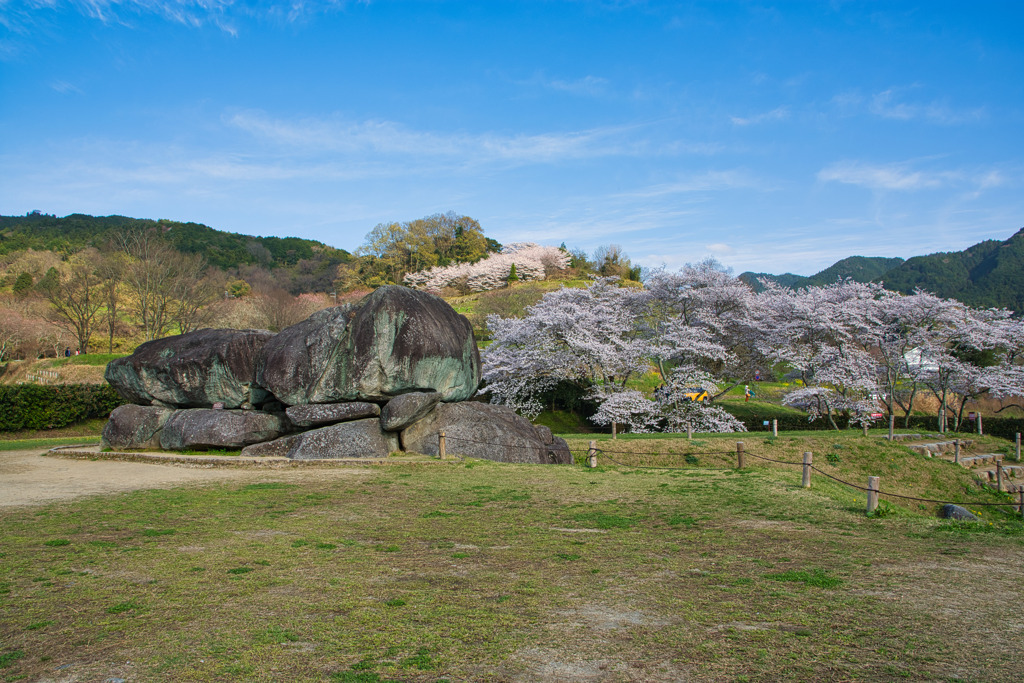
[990, 273]
[72, 233]
[298, 265]
[859, 268]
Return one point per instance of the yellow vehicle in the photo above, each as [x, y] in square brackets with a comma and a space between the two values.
[694, 394]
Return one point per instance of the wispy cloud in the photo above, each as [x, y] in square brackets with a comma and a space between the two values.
[893, 103]
[18, 15]
[903, 177]
[707, 181]
[588, 85]
[584, 86]
[777, 114]
[881, 177]
[337, 135]
[65, 88]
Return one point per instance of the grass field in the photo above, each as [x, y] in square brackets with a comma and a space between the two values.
[485, 571]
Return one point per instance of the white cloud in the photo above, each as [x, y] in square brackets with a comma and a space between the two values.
[588, 85]
[337, 135]
[892, 104]
[65, 88]
[708, 181]
[901, 176]
[777, 114]
[881, 177]
[19, 15]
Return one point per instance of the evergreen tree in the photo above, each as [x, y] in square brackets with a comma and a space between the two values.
[23, 284]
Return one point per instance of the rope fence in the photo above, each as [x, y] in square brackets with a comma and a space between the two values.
[872, 489]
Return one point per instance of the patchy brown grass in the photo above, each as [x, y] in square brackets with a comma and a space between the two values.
[482, 571]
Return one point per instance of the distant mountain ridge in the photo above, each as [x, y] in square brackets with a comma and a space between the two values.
[990, 273]
[220, 248]
[859, 268]
[298, 264]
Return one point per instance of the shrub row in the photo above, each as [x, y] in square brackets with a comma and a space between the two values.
[1004, 427]
[39, 406]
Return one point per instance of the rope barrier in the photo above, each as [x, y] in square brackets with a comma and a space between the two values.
[800, 464]
[608, 454]
[670, 453]
[639, 467]
[900, 495]
[781, 462]
[496, 445]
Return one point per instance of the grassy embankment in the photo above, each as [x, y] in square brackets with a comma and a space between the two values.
[484, 571]
[85, 368]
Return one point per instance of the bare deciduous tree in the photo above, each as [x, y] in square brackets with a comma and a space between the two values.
[75, 295]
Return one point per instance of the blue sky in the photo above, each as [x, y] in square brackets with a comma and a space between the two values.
[773, 136]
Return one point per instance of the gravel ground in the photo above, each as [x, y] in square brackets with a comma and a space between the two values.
[30, 477]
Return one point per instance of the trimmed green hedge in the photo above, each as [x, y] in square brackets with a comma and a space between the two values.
[40, 406]
[1004, 427]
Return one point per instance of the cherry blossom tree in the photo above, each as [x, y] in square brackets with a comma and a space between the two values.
[599, 337]
[699, 317]
[972, 358]
[590, 336]
[531, 262]
[822, 333]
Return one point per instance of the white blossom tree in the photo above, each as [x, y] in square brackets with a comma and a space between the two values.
[699, 318]
[531, 261]
[590, 336]
[599, 337]
[822, 333]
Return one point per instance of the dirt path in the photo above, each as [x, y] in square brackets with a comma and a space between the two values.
[30, 478]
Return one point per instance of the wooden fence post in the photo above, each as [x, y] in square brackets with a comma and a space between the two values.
[614, 430]
[1020, 499]
[1017, 447]
[892, 425]
[999, 474]
[739, 455]
[865, 426]
[689, 434]
[440, 446]
[872, 494]
[775, 426]
[956, 451]
[807, 470]
[592, 455]
[980, 432]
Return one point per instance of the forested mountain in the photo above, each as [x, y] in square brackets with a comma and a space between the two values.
[72, 233]
[298, 265]
[991, 273]
[857, 268]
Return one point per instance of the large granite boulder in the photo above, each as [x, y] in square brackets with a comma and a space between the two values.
[292, 364]
[395, 341]
[313, 414]
[192, 370]
[357, 439]
[132, 426]
[202, 428]
[481, 430]
[402, 411]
